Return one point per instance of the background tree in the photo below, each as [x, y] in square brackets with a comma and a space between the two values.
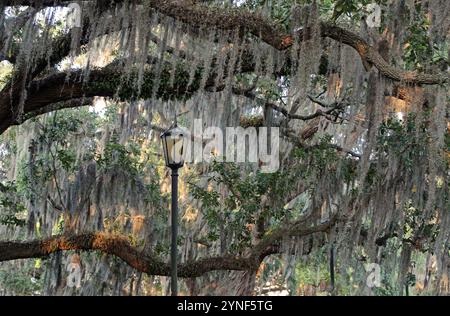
[363, 114]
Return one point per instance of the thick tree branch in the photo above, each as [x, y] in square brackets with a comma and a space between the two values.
[107, 82]
[45, 3]
[194, 15]
[199, 15]
[120, 246]
[269, 32]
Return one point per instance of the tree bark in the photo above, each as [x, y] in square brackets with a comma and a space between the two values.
[120, 246]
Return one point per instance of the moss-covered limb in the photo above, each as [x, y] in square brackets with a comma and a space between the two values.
[73, 103]
[196, 15]
[26, 70]
[9, 3]
[11, 54]
[193, 15]
[120, 246]
[111, 81]
[108, 82]
[272, 34]
[370, 56]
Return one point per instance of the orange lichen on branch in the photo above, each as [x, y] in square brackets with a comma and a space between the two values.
[144, 260]
[396, 105]
[287, 41]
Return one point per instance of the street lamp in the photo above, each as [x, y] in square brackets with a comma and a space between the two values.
[173, 146]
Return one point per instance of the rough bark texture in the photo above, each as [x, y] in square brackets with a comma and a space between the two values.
[241, 41]
[44, 92]
[120, 246]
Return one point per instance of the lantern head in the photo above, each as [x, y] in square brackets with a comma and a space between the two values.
[173, 142]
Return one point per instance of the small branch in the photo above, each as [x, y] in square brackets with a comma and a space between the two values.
[347, 151]
[323, 104]
[181, 53]
[299, 143]
[297, 229]
[249, 94]
[55, 205]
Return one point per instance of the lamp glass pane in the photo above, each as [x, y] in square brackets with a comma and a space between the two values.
[166, 153]
[175, 149]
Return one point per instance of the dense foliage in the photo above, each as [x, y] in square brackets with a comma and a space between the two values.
[363, 184]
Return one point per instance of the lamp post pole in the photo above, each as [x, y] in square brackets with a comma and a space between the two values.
[173, 146]
[173, 250]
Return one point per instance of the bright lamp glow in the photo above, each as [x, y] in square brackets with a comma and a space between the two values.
[173, 146]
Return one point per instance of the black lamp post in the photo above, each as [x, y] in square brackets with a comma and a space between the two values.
[173, 146]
